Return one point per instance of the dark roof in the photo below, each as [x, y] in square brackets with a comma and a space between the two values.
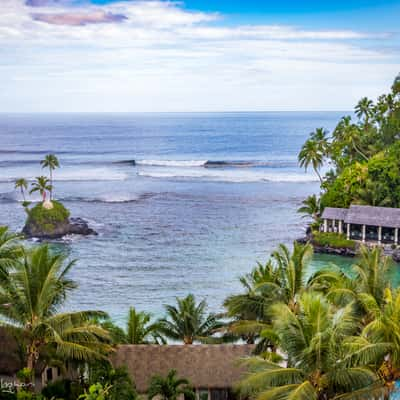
[375, 216]
[9, 361]
[335, 213]
[205, 366]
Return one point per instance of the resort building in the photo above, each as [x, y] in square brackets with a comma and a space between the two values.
[212, 370]
[364, 223]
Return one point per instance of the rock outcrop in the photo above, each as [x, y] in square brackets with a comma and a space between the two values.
[53, 223]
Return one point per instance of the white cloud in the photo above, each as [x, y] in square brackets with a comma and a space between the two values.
[162, 57]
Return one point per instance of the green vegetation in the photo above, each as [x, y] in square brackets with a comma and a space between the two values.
[324, 335]
[139, 329]
[47, 219]
[334, 240]
[41, 185]
[170, 388]
[51, 162]
[34, 289]
[364, 155]
[188, 321]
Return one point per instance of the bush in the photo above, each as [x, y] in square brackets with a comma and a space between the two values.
[121, 386]
[47, 219]
[334, 240]
[64, 389]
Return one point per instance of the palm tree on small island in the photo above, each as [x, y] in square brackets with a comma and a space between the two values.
[42, 185]
[22, 185]
[51, 162]
[170, 388]
[188, 321]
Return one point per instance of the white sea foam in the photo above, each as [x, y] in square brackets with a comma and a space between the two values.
[172, 163]
[73, 174]
[228, 175]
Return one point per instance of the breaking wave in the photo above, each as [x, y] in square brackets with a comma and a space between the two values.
[212, 164]
[228, 176]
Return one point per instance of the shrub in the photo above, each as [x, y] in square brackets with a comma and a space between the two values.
[62, 389]
[334, 240]
[47, 219]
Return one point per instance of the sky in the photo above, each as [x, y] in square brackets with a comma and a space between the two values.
[195, 55]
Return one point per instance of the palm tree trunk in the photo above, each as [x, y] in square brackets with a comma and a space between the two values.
[187, 340]
[51, 184]
[360, 152]
[23, 194]
[319, 175]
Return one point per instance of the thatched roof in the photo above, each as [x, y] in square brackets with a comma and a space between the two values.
[365, 215]
[334, 213]
[206, 366]
[374, 216]
[9, 360]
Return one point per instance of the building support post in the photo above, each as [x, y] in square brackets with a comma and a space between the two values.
[348, 231]
[380, 235]
[325, 225]
[333, 225]
[340, 227]
[363, 233]
[396, 236]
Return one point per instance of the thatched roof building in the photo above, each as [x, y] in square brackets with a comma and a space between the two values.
[364, 222]
[206, 366]
[374, 216]
[10, 361]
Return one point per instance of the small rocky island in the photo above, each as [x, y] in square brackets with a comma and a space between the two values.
[49, 219]
[53, 223]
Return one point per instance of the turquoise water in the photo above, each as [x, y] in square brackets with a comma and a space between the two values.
[207, 197]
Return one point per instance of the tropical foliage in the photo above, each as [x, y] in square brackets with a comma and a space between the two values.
[32, 291]
[336, 338]
[363, 155]
[188, 321]
[139, 329]
[170, 387]
[51, 162]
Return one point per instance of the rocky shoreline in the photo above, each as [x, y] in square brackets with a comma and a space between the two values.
[74, 226]
[347, 252]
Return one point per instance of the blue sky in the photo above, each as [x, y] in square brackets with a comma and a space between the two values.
[196, 55]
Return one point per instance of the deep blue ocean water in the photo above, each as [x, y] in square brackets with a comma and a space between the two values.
[207, 197]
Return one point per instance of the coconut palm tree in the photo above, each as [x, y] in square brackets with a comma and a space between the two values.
[365, 109]
[10, 248]
[311, 207]
[41, 185]
[169, 388]
[312, 154]
[370, 276]
[35, 290]
[249, 310]
[293, 268]
[349, 134]
[283, 279]
[140, 330]
[51, 162]
[22, 185]
[379, 342]
[312, 342]
[188, 321]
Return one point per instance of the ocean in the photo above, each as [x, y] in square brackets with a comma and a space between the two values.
[182, 203]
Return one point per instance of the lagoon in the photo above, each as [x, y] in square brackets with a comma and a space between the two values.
[170, 223]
